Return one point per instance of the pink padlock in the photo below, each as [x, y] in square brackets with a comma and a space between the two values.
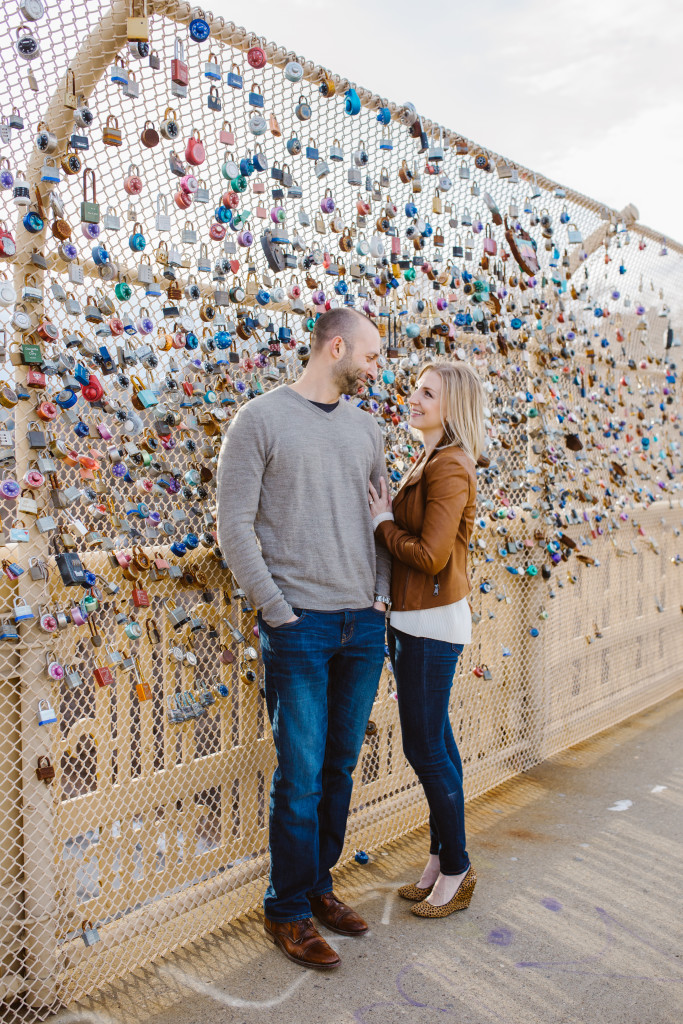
[53, 668]
[104, 432]
[48, 623]
[278, 215]
[294, 291]
[145, 486]
[34, 478]
[78, 616]
[133, 183]
[327, 203]
[183, 200]
[245, 238]
[441, 304]
[189, 183]
[363, 206]
[318, 297]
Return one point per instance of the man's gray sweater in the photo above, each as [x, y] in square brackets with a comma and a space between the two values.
[295, 477]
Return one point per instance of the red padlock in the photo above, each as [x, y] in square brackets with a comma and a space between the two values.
[35, 379]
[217, 231]
[140, 598]
[8, 246]
[231, 200]
[183, 200]
[133, 183]
[116, 326]
[47, 411]
[93, 390]
[47, 330]
[194, 150]
[179, 69]
[103, 676]
[257, 57]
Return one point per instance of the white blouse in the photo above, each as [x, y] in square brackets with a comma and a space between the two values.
[451, 623]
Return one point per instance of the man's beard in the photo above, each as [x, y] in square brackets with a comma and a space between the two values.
[346, 376]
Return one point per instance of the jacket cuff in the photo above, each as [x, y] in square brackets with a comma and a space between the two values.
[383, 517]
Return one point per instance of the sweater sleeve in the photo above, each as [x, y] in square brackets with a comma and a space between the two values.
[447, 495]
[383, 558]
[241, 465]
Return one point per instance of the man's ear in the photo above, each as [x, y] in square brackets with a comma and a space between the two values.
[337, 347]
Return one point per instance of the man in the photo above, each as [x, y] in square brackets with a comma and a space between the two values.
[293, 478]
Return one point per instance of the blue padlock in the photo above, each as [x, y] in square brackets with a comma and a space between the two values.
[352, 102]
[100, 255]
[199, 30]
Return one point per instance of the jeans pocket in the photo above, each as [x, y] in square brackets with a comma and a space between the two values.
[288, 625]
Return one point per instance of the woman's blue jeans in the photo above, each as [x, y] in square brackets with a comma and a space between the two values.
[321, 677]
[424, 671]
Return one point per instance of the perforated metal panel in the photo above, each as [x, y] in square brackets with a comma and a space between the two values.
[155, 831]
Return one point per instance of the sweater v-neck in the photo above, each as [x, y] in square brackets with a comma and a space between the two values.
[312, 407]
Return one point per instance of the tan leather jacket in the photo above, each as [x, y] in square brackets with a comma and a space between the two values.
[429, 538]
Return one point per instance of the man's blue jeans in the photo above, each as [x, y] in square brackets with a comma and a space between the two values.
[424, 671]
[321, 676]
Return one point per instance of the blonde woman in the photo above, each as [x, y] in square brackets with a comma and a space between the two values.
[427, 530]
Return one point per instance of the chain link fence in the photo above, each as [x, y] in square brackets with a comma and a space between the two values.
[136, 754]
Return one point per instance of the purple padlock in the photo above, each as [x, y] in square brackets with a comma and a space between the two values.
[189, 184]
[144, 324]
[78, 616]
[318, 297]
[327, 203]
[91, 230]
[245, 238]
[10, 489]
[278, 215]
[442, 303]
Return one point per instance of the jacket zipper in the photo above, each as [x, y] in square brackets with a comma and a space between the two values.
[436, 586]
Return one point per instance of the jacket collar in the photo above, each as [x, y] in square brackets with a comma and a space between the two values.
[417, 469]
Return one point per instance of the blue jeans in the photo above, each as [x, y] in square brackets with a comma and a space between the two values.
[321, 677]
[424, 671]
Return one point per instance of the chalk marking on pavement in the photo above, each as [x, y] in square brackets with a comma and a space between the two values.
[204, 989]
[621, 805]
[388, 907]
[658, 789]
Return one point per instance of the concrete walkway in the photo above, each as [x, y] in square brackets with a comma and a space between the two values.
[577, 915]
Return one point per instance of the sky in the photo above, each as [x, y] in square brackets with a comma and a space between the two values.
[588, 93]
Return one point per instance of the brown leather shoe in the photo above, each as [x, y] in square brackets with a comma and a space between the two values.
[337, 916]
[301, 942]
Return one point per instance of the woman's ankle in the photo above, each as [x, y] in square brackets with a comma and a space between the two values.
[431, 872]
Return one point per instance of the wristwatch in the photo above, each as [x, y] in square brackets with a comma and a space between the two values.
[384, 600]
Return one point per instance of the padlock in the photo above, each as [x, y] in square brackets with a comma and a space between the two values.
[45, 771]
[46, 714]
[111, 133]
[104, 676]
[178, 617]
[90, 210]
[137, 29]
[179, 69]
[89, 933]
[303, 109]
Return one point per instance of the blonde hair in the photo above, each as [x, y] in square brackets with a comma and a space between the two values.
[462, 406]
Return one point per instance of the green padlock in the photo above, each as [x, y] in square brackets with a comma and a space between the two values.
[90, 209]
[31, 354]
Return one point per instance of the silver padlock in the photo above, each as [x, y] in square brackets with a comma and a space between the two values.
[46, 714]
[72, 677]
[89, 934]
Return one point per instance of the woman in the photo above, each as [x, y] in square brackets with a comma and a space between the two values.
[427, 531]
